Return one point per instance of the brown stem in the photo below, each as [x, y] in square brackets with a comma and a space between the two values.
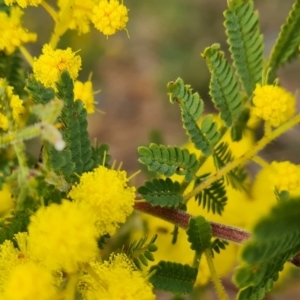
[181, 218]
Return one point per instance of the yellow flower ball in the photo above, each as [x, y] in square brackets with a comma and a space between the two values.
[13, 35]
[110, 16]
[118, 279]
[273, 104]
[29, 281]
[49, 66]
[63, 236]
[79, 14]
[108, 195]
[84, 91]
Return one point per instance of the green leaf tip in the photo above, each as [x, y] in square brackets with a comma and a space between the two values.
[191, 105]
[173, 277]
[245, 42]
[224, 87]
[199, 234]
[287, 44]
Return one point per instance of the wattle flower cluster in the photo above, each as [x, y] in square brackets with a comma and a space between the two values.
[106, 192]
[13, 35]
[273, 104]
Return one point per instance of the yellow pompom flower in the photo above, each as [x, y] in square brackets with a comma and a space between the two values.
[11, 257]
[79, 14]
[284, 176]
[118, 279]
[273, 104]
[107, 193]
[6, 200]
[29, 281]
[110, 16]
[15, 104]
[49, 66]
[23, 3]
[13, 35]
[84, 91]
[63, 236]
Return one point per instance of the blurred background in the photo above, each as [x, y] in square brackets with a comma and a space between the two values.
[166, 39]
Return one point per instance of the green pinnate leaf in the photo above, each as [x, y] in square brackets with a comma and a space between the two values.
[224, 87]
[192, 106]
[140, 252]
[287, 44]
[162, 192]
[173, 277]
[245, 41]
[213, 197]
[199, 234]
[169, 160]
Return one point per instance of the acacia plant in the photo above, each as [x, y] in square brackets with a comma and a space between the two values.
[61, 210]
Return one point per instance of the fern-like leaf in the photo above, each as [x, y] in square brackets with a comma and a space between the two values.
[245, 41]
[141, 252]
[217, 245]
[162, 192]
[77, 156]
[173, 277]
[287, 43]
[199, 234]
[39, 93]
[11, 69]
[224, 87]
[276, 238]
[191, 106]
[213, 197]
[236, 177]
[169, 160]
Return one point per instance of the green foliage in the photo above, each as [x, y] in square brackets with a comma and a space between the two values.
[39, 93]
[141, 253]
[276, 238]
[287, 44]
[18, 223]
[217, 245]
[240, 125]
[100, 156]
[224, 87]
[173, 277]
[169, 160]
[213, 197]
[236, 177]
[199, 234]
[191, 105]
[245, 41]
[162, 192]
[77, 156]
[11, 69]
